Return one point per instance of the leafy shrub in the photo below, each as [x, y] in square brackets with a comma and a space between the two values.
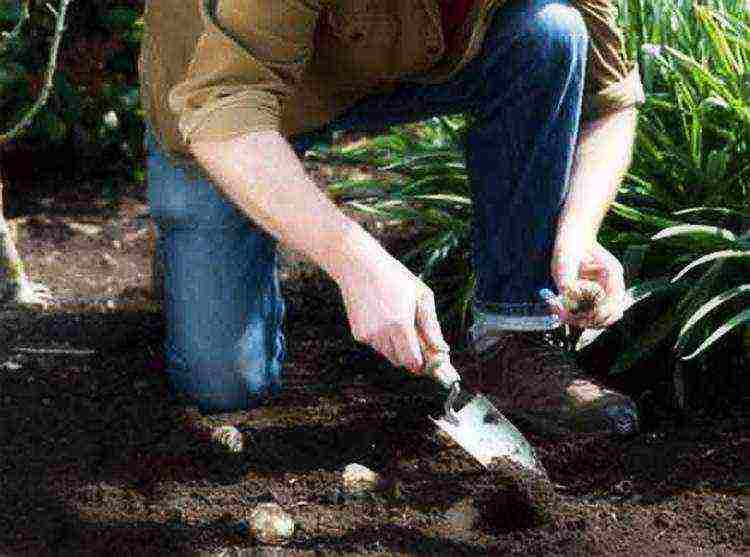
[94, 108]
[683, 205]
[428, 191]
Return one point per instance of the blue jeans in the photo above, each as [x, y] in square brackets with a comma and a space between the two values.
[223, 306]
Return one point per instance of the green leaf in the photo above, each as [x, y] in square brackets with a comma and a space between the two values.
[723, 254]
[444, 197]
[10, 12]
[434, 184]
[121, 19]
[716, 165]
[343, 187]
[695, 230]
[641, 291]
[713, 102]
[705, 309]
[640, 217]
[444, 244]
[718, 40]
[633, 296]
[739, 319]
[690, 64]
[644, 344]
[724, 211]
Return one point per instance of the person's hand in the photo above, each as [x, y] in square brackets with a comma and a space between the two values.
[571, 267]
[390, 309]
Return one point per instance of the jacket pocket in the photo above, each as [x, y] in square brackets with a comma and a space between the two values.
[362, 41]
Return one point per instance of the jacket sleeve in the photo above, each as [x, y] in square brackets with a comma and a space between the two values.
[246, 62]
[612, 81]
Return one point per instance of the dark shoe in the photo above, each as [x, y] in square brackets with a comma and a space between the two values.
[534, 379]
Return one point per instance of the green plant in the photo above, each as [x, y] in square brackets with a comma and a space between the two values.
[14, 285]
[683, 205]
[12, 41]
[680, 224]
[426, 190]
[693, 145]
[703, 272]
[93, 112]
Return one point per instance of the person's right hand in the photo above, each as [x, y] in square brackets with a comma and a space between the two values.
[390, 309]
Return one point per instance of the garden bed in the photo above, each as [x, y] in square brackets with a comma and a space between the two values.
[93, 460]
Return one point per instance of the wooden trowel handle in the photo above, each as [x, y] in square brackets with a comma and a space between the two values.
[437, 364]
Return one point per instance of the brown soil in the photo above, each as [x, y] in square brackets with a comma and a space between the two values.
[93, 460]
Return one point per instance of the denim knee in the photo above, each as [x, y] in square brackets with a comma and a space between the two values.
[559, 30]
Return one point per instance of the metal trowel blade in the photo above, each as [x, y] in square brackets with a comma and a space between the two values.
[483, 432]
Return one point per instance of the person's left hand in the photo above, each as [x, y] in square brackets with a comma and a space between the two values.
[571, 264]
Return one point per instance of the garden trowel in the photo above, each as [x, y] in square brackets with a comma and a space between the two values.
[473, 422]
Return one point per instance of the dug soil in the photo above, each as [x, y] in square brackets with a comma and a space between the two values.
[94, 460]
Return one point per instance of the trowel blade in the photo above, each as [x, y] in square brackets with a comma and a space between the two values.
[486, 434]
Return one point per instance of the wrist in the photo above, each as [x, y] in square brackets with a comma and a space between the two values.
[572, 236]
[356, 252]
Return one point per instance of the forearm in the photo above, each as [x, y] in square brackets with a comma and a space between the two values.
[264, 177]
[602, 158]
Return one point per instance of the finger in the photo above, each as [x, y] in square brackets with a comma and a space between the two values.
[614, 275]
[428, 325]
[555, 304]
[382, 344]
[406, 348]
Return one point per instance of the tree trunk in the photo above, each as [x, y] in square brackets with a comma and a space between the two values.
[11, 268]
[15, 287]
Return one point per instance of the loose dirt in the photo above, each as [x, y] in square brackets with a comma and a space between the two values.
[95, 461]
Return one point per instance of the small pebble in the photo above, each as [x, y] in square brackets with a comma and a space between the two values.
[270, 524]
[109, 261]
[229, 438]
[360, 479]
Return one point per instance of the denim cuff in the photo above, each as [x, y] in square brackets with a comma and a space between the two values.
[492, 319]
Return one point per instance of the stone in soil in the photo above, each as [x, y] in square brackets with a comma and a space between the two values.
[270, 524]
[359, 479]
[229, 438]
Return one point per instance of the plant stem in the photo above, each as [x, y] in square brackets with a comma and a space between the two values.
[51, 66]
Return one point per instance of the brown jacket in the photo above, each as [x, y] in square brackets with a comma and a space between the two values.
[211, 69]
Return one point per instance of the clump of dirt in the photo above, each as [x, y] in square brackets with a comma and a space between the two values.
[516, 498]
[586, 296]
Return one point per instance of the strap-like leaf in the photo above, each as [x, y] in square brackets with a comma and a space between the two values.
[723, 254]
[694, 229]
[736, 321]
[640, 217]
[705, 309]
[445, 197]
[691, 211]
